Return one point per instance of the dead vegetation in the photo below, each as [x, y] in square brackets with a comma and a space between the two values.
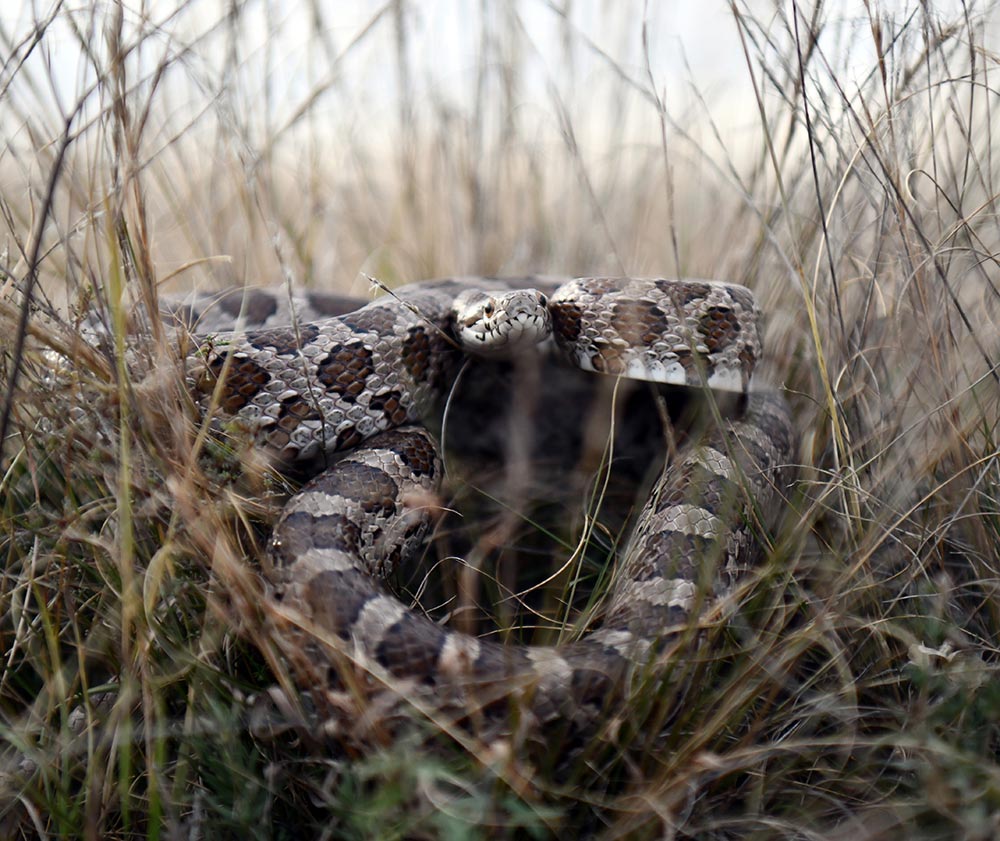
[856, 693]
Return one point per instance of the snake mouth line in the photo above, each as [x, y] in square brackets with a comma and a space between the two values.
[528, 328]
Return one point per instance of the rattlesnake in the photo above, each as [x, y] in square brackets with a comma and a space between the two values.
[351, 389]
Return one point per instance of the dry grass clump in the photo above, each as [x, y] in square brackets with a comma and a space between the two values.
[855, 692]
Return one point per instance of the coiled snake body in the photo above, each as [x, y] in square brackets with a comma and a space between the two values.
[356, 386]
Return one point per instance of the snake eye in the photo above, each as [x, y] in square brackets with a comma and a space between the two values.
[542, 299]
[489, 308]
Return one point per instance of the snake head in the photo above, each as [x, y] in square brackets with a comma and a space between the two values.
[501, 324]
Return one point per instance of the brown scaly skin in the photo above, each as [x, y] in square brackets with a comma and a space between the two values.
[366, 377]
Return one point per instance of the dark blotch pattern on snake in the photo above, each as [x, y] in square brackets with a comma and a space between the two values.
[362, 381]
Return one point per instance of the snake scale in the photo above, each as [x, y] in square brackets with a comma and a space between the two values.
[354, 389]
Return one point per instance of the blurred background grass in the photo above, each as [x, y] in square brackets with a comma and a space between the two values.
[838, 158]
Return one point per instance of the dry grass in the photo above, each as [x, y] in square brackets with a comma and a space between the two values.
[856, 693]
